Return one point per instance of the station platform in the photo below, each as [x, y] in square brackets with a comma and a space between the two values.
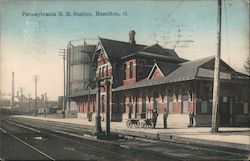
[237, 138]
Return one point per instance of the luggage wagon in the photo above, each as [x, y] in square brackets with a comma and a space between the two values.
[138, 122]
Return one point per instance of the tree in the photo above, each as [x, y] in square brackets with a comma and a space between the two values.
[247, 65]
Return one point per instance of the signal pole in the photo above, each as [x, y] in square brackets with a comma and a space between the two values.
[36, 78]
[63, 51]
[216, 86]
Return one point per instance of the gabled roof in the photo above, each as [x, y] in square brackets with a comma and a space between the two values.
[164, 67]
[153, 70]
[123, 50]
[167, 68]
[188, 70]
[116, 48]
[156, 48]
[155, 56]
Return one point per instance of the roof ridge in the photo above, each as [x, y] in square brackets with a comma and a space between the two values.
[120, 41]
[196, 60]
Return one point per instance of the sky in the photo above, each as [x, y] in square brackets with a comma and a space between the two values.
[30, 44]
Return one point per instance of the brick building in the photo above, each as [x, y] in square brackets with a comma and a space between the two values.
[146, 77]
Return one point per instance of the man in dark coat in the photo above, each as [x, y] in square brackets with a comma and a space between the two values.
[165, 117]
[154, 119]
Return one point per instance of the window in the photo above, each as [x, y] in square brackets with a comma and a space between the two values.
[185, 107]
[204, 107]
[107, 70]
[170, 104]
[141, 66]
[155, 103]
[100, 72]
[245, 108]
[131, 70]
[124, 67]
[103, 71]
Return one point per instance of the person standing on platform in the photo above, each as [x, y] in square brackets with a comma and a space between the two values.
[165, 117]
[154, 119]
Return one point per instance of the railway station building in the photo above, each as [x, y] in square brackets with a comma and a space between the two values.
[146, 77]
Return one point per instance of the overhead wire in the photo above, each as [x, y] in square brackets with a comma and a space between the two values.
[163, 22]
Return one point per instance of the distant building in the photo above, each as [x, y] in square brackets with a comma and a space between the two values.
[147, 77]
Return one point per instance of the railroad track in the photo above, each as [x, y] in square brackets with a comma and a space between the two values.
[27, 144]
[56, 133]
[78, 131]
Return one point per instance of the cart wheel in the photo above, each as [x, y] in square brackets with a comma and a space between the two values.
[143, 124]
[128, 123]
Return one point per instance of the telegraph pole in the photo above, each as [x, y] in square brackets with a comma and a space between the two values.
[63, 51]
[216, 86]
[13, 91]
[21, 100]
[36, 78]
[29, 95]
[45, 104]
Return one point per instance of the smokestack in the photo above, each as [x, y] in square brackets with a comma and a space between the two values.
[132, 37]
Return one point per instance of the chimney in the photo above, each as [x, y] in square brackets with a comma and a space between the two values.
[132, 37]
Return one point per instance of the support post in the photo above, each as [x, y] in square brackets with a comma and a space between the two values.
[107, 107]
[98, 117]
[216, 86]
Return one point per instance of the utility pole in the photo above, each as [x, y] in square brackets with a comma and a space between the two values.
[29, 95]
[45, 104]
[36, 78]
[21, 100]
[13, 91]
[68, 72]
[63, 51]
[216, 86]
